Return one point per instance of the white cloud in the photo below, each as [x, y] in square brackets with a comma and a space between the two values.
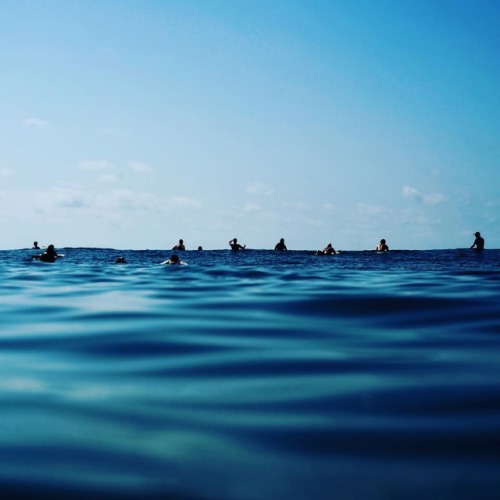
[369, 209]
[297, 205]
[259, 189]
[252, 207]
[108, 178]
[95, 165]
[184, 202]
[123, 199]
[409, 192]
[426, 199]
[107, 205]
[36, 122]
[434, 198]
[62, 197]
[5, 172]
[139, 166]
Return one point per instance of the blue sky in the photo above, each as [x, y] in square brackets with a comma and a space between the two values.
[132, 124]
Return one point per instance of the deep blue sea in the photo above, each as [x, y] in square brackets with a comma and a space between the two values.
[250, 375]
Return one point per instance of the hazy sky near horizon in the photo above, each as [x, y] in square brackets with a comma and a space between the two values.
[131, 124]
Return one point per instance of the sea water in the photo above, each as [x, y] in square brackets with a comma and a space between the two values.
[248, 375]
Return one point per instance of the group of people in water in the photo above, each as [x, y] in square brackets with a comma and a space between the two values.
[50, 254]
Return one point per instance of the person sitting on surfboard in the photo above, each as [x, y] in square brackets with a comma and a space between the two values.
[179, 246]
[328, 250]
[382, 246]
[50, 255]
[281, 245]
[235, 245]
[478, 242]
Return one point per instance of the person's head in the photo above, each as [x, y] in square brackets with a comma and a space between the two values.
[120, 260]
[174, 259]
[329, 245]
[477, 234]
[35, 243]
[282, 240]
[181, 242]
[235, 240]
[200, 248]
[50, 248]
[382, 241]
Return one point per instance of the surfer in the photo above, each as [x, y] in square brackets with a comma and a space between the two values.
[281, 245]
[235, 245]
[328, 250]
[174, 259]
[478, 242]
[120, 260]
[50, 255]
[35, 246]
[382, 246]
[179, 246]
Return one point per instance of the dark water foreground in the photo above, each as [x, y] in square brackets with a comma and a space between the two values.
[250, 375]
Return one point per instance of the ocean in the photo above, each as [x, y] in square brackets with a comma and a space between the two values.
[250, 375]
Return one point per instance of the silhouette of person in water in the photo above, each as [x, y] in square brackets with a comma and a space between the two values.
[200, 248]
[50, 255]
[35, 246]
[281, 245]
[174, 259]
[120, 260]
[478, 242]
[382, 246]
[179, 246]
[329, 250]
[235, 245]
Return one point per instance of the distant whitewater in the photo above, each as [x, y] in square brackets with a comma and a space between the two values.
[252, 374]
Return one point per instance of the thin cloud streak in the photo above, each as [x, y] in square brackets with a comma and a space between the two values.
[36, 122]
[427, 199]
[259, 189]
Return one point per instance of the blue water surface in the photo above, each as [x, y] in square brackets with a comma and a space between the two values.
[250, 374]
